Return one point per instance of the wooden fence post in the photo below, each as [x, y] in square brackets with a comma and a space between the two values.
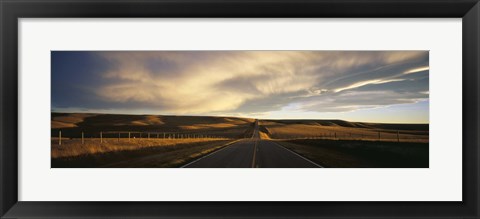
[149, 135]
[101, 137]
[378, 135]
[129, 136]
[398, 136]
[83, 140]
[59, 137]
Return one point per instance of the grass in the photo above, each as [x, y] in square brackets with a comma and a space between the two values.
[167, 155]
[349, 131]
[73, 124]
[74, 147]
[331, 143]
[139, 150]
[355, 154]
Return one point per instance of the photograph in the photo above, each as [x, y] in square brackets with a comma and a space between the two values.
[240, 109]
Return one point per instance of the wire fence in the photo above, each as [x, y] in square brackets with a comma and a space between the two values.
[392, 136]
[102, 137]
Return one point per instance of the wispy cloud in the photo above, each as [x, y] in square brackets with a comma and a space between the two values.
[252, 82]
[416, 70]
[363, 83]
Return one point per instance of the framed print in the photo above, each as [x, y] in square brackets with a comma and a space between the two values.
[240, 109]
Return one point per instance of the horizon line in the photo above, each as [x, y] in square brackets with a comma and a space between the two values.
[133, 114]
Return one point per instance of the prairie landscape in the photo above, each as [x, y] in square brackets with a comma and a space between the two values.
[174, 141]
[114, 140]
[337, 143]
[240, 109]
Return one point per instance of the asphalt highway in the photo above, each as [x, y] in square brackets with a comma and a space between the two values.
[253, 153]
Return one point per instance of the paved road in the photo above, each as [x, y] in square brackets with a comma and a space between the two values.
[253, 152]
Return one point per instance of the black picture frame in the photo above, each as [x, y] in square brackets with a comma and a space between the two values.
[12, 10]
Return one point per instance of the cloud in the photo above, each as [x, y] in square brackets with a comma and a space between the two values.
[363, 83]
[257, 82]
[355, 100]
[416, 70]
[219, 83]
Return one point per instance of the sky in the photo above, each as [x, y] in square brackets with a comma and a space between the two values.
[364, 86]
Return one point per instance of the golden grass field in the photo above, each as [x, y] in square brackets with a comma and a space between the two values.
[74, 147]
[342, 130]
[73, 124]
[171, 154]
[171, 158]
[155, 141]
[172, 141]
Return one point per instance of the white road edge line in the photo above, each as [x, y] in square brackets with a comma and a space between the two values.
[198, 159]
[293, 152]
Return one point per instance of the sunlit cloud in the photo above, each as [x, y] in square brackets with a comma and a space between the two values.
[356, 100]
[252, 83]
[363, 83]
[416, 70]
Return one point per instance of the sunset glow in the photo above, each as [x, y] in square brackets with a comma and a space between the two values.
[369, 86]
